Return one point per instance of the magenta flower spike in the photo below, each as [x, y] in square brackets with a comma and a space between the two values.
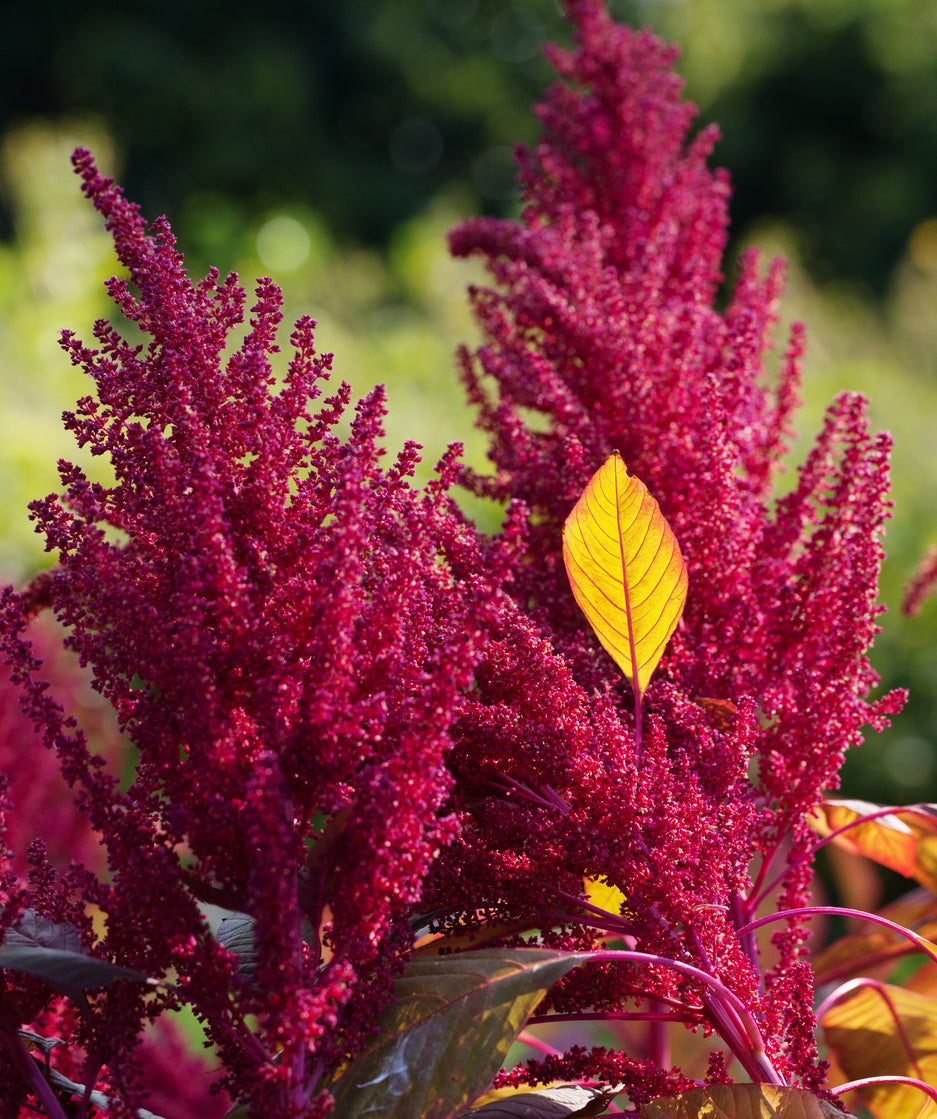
[601, 322]
[285, 630]
[362, 728]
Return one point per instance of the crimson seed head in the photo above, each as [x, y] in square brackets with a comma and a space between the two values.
[601, 323]
[351, 710]
[285, 629]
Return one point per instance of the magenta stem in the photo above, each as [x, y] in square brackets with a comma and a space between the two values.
[880, 989]
[728, 1013]
[535, 1042]
[812, 850]
[838, 910]
[658, 1037]
[741, 914]
[690, 1017]
[30, 1072]
[870, 1081]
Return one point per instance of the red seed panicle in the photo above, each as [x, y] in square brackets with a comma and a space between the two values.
[350, 710]
[601, 323]
[285, 629]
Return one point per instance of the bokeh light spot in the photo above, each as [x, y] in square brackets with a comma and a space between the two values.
[282, 244]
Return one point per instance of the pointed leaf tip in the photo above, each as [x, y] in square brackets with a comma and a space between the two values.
[625, 569]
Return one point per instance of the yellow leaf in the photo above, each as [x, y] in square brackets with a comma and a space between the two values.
[625, 569]
[604, 896]
[742, 1101]
[862, 1032]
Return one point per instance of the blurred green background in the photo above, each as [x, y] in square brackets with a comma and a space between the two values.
[332, 145]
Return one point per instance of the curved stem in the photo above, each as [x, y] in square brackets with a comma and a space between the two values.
[812, 850]
[868, 1081]
[617, 1016]
[722, 1007]
[839, 910]
[879, 988]
[536, 1042]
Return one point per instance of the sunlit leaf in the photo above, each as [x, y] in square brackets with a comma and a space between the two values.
[440, 1045]
[625, 569]
[905, 840]
[886, 839]
[603, 895]
[742, 1101]
[865, 1039]
[549, 1103]
[922, 820]
[54, 953]
[923, 980]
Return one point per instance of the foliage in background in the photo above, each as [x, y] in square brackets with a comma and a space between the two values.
[366, 111]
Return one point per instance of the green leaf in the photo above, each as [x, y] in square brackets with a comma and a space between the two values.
[54, 953]
[441, 1044]
[742, 1101]
[551, 1103]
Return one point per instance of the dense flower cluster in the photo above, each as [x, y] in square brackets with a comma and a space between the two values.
[601, 333]
[285, 631]
[351, 710]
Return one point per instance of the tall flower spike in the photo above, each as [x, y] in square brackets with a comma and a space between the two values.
[601, 323]
[285, 630]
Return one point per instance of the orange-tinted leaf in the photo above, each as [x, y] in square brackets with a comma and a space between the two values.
[864, 1037]
[742, 1101]
[625, 569]
[886, 839]
[924, 980]
[923, 823]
